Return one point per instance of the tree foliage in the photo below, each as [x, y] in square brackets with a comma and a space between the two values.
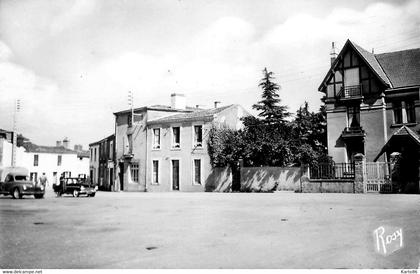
[269, 107]
[224, 146]
[270, 139]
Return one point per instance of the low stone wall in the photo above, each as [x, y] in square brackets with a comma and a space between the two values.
[219, 180]
[328, 186]
[266, 179]
[263, 179]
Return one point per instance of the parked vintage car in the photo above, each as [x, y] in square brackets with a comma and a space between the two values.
[75, 186]
[15, 181]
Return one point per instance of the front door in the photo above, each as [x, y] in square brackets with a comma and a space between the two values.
[111, 178]
[121, 175]
[175, 174]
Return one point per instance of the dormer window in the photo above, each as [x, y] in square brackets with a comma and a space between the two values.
[397, 109]
[404, 112]
[410, 108]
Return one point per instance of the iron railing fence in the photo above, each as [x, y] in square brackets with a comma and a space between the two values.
[332, 171]
[347, 92]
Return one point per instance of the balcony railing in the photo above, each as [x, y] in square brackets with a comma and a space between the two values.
[332, 171]
[353, 132]
[350, 92]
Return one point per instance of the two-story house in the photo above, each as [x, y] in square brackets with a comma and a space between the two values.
[152, 143]
[373, 106]
[51, 160]
[94, 162]
[177, 148]
[102, 162]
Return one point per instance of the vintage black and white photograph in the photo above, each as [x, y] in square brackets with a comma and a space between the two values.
[209, 134]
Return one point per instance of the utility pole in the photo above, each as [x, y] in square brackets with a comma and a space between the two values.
[14, 141]
[131, 105]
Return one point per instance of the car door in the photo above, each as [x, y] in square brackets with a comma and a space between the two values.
[7, 183]
[2, 186]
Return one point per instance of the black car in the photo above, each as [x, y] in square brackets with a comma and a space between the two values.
[14, 181]
[75, 186]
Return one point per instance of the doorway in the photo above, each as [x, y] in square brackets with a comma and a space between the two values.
[175, 174]
[111, 178]
[121, 175]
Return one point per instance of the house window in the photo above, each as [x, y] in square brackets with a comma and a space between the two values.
[36, 159]
[155, 179]
[91, 154]
[176, 138]
[397, 109]
[95, 155]
[156, 138]
[197, 171]
[111, 149]
[59, 160]
[130, 143]
[198, 136]
[135, 172]
[129, 120]
[410, 109]
[353, 117]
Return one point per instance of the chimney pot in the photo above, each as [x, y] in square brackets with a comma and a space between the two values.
[66, 142]
[333, 53]
[178, 101]
[216, 104]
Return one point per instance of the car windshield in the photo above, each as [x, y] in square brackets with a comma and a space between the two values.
[21, 178]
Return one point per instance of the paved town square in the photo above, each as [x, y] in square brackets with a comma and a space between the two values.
[207, 230]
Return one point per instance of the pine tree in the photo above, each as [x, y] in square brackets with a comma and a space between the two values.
[270, 109]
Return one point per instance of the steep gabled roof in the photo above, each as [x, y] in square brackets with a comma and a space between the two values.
[401, 67]
[365, 55]
[192, 116]
[394, 69]
[372, 63]
[402, 131]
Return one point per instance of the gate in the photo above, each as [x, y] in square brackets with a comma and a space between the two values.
[378, 177]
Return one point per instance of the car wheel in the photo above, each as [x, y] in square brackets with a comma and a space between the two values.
[39, 196]
[16, 194]
[75, 193]
[92, 195]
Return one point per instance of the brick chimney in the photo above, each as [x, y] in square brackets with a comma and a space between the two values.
[178, 101]
[78, 147]
[333, 53]
[66, 142]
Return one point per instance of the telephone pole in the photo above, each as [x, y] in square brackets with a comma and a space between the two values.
[14, 141]
[131, 105]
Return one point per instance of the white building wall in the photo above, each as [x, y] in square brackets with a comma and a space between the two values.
[47, 162]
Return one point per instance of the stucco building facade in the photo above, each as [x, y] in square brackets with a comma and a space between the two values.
[141, 165]
[102, 162]
[373, 106]
[53, 160]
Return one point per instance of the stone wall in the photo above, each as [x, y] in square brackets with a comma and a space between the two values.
[219, 180]
[264, 179]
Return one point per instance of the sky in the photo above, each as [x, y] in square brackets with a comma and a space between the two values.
[72, 62]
